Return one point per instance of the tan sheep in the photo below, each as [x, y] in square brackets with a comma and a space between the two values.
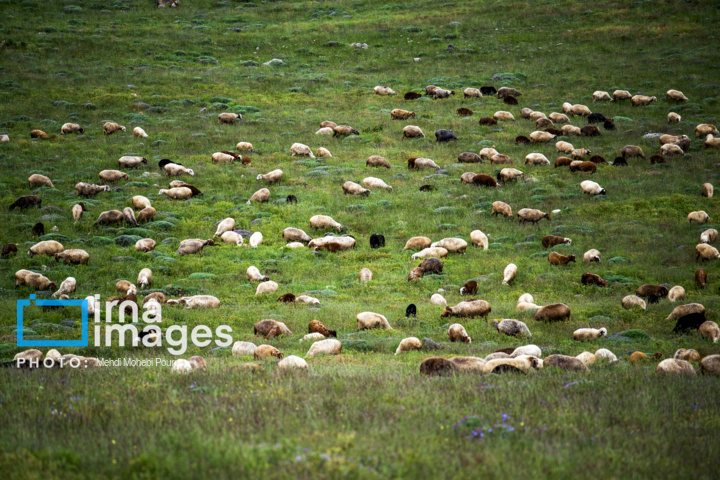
[417, 243]
[266, 287]
[710, 331]
[329, 346]
[37, 180]
[129, 161]
[254, 275]
[501, 208]
[372, 182]
[541, 137]
[710, 365]
[271, 177]
[437, 299]
[323, 152]
[712, 142]
[352, 188]
[676, 367]
[673, 117]
[709, 236]
[487, 152]
[193, 246]
[564, 147]
[690, 355]
[559, 117]
[144, 278]
[687, 309]
[226, 225]
[523, 363]
[698, 216]
[365, 275]
[301, 150]
[671, 150]
[146, 215]
[509, 274]
[232, 237]
[581, 110]
[325, 131]
[676, 293]
[139, 202]
[37, 281]
[380, 90]
[112, 127]
[536, 159]
[46, 247]
[642, 100]
[324, 221]
[225, 157]
[89, 189]
[112, 175]
[452, 245]
[377, 161]
[399, 114]
[676, 95]
[479, 239]
[600, 96]
[69, 128]
[261, 196]
[412, 131]
[621, 95]
[531, 215]
[228, 118]
[503, 116]
[291, 234]
[472, 92]
[263, 352]
[180, 193]
[438, 252]
[145, 245]
[571, 130]
[293, 363]
[418, 163]
[368, 320]
[457, 333]
[331, 243]
[470, 309]
[74, 256]
[77, 211]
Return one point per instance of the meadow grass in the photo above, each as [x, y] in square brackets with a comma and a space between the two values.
[366, 413]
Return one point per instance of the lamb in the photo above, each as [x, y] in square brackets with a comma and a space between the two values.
[66, 287]
[292, 363]
[711, 142]
[570, 130]
[261, 196]
[541, 137]
[676, 293]
[111, 127]
[593, 279]
[417, 243]
[457, 333]
[344, 130]
[228, 118]
[380, 90]
[112, 175]
[131, 161]
[671, 150]
[585, 334]
[323, 152]
[512, 327]
[698, 216]
[146, 215]
[301, 150]
[73, 256]
[90, 190]
[368, 320]
[676, 367]
[469, 308]
[710, 331]
[631, 301]
[438, 252]
[263, 352]
[399, 114]
[323, 221]
[589, 187]
[472, 92]
[46, 247]
[653, 293]
[556, 258]
[564, 147]
[327, 347]
[501, 208]
[175, 170]
[365, 275]
[38, 229]
[145, 245]
[600, 96]
[706, 252]
[193, 246]
[35, 280]
[642, 100]
[181, 193]
[536, 159]
[553, 313]
[353, 188]
[377, 161]
[372, 182]
[565, 362]
[452, 245]
[503, 116]
[531, 215]
[419, 162]
[37, 180]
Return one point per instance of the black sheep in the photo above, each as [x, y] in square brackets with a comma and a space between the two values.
[412, 96]
[596, 118]
[609, 124]
[488, 90]
[620, 161]
[165, 161]
[689, 322]
[411, 310]
[26, 201]
[377, 240]
[39, 229]
[291, 199]
[444, 135]
[427, 188]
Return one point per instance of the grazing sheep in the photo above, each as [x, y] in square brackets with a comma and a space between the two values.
[541, 137]
[710, 331]
[316, 326]
[676, 293]
[642, 100]
[261, 196]
[591, 188]
[587, 167]
[593, 279]
[507, 91]
[144, 278]
[565, 362]
[344, 130]
[545, 123]
[585, 334]
[501, 208]
[418, 163]
[313, 337]
[46, 247]
[690, 355]
[698, 216]
[653, 293]
[563, 162]
[564, 147]
[673, 117]
[399, 114]
[323, 152]
[510, 100]
[266, 287]
[710, 365]
[549, 241]
[193, 246]
[112, 175]
[632, 301]
[656, 159]
[487, 121]
[707, 190]
[417, 243]
[412, 96]
[479, 239]
[225, 225]
[509, 174]
[37, 180]
[73, 256]
[365, 275]
[442, 93]
[556, 258]
[111, 127]
[265, 327]
[368, 320]
[469, 308]
[139, 133]
[7, 249]
[521, 139]
[579, 154]
[590, 131]
[571, 130]
[412, 131]
[437, 366]
[592, 255]
[301, 150]
[125, 287]
[671, 150]
[271, 177]
[307, 299]
[131, 161]
[181, 193]
[34, 280]
[291, 234]
[255, 239]
[531, 215]
[372, 182]
[665, 139]
[326, 347]
[499, 158]
[520, 364]
[676, 95]
[526, 298]
[444, 135]
[438, 252]
[469, 157]
[228, 118]
[377, 161]
[487, 152]
[175, 170]
[463, 112]
[621, 95]
[254, 275]
[457, 333]
[353, 188]
[146, 215]
[38, 229]
[630, 151]
[685, 310]
[605, 354]
[470, 288]
[89, 189]
[512, 327]
[145, 245]
[509, 273]
[559, 117]
[452, 245]
[472, 92]
[468, 364]
[66, 287]
[380, 90]
[408, 344]
[706, 252]
[333, 244]
[705, 129]
[69, 128]
[263, 352]
[587, 358]
[293, 363]
[676, 367]
[437, 299]
[536, 159]
[225, 157]
[553, 313]
[578, 109]
[701, 277]
[600, 96]
[323, 221]
[503, 116]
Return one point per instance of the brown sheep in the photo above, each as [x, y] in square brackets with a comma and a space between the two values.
[565, 362]
[484, 180]
[111, 127]
[590, 131]
[549, 241]
[377, 161]
[399, 114]
[344, 130]
[553, 313]
[469, 157]
[26, 201]
[317, 326]
[563, 162]
[500, 158]
[653, 293]
[8, 248]
[463, 112]
[521, 139]
[487, 121]
[38, 229]
[656, 159]
[437, 366]
[531, 215]
[541, 123]
[288, 297]
[556, 258]
[470, 288]
[507, 91]
[263, 327]
[587, 167]
[146, 215]
[266, 351]
[629, 151]
[510, 100]
[598, 159]
[593, 279]
[38, 134]
[111, 216]
[701, 277]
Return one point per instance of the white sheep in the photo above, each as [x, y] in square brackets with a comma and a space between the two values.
[622, 95]
[409, 344]
[307, 299]
[66, 287]
[605, 354]
[571, 130]
[676, 367]
[292, 362]
[225, 225]
[129, 161]
[522, 306]
[232, 237]
[676, 293]
[591, 188]
[709, 236]
[271, 177]
[329, 346]
[367, 320]
[592, 255]
[200, 301]
[479, 239]
[365, 275]
[261, 196]
[266, 287]
[671, 150]
[632, 301]
[707, 189]
[541, 137]
[438, 299]
[587, 358]
[179, 193]
[457, 333]
[380, 90]
[536, 159]
[706, 252]
[325, 131]
[144, 278]
[139, 133]
[509, 274]
[247, 146]
[452, 245]
[255, 239]
[673, 117]
[315, 336]
[503, 116]
[564, 147]
[706, 129]
[301, 150]
[526, 298]
[600, 96]
[181, 366]
[438, 252]
[583, 334]
[699, 216]
[324, 221]
[243, 348]
[372, 182]
[173, 169]
[676, 95]
[472, 92]
[532, 350]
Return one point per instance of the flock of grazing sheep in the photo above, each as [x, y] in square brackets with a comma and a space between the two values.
[522, 359]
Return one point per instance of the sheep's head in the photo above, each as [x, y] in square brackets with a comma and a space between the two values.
[52, 286]
[122, 128]
[57, 257]
[496, 324]
[190, 171]
[446, 313]
[572, 258]
[603, 331]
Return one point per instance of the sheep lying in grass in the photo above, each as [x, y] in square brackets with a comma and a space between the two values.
[522, 363]
[565, 362]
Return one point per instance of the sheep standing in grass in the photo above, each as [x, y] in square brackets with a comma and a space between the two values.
[706, 252]
[438, 299]
[479, 239]
[586, 334]
[469, 309]
[600, 96]
[676, 367]
[709, 236]
[67, 287]
[271, 177]
[353, 188]
[37, 180]
[372, 182]
[111, 127]
[706, 129]
[589, 187]
[181, 193]
[591, 255]
[531, 215]
[509, 274]
[46, 247]
[409, 344]
[74, 256]
[368, 320]
[327, 347]
[605, 354]
[267, 351]
[501, 208]
[225, 225]
[676, 95]
[301, 150]
[457, 333]
[89, 189]
[698, 217]
[536, 159]
[139, 133]
[707, 190]
[710, 331]
[553, 313]
[261, 196]
[642, 100]
[676, 293]
[228, 118]
[324, 221]
[512, 327]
